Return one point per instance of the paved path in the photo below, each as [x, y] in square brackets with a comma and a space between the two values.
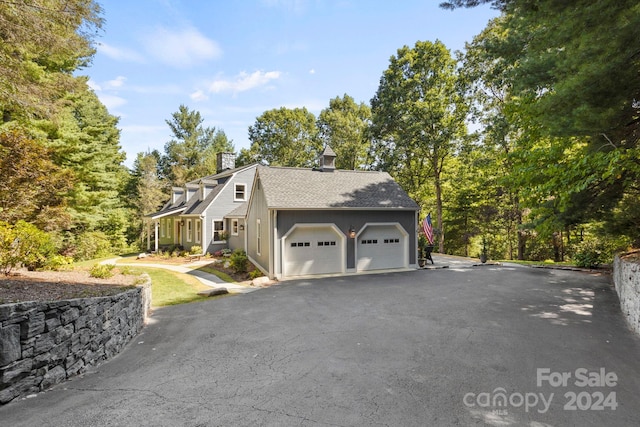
[481, 346]
[208, 279]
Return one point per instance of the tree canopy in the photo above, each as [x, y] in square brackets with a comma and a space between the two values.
[284, 137]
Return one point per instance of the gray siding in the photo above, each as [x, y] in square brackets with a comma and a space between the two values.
[258, 211]
[235, 242]
[223, 204]
[345, 219]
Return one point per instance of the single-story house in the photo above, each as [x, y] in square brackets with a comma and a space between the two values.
[305, 222]
[196, 214]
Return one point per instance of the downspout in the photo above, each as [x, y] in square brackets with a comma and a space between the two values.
[203, 231]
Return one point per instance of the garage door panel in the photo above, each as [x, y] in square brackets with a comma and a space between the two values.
[381, 247]
[313, 250]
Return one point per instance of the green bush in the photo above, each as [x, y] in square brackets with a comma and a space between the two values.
[23, 244]
[239, 261]
[58, 262]
[588, 254]
[102, 271]
[255, 274]
[195, 250]
[90, 245]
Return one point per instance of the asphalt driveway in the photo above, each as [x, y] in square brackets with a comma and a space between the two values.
[491, 345]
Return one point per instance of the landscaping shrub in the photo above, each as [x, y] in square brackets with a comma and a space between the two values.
[239, 261]
[23, 244]
[195, 250]
[90, 245]
[102, 271]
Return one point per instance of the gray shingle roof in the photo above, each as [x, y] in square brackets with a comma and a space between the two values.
[295, 188]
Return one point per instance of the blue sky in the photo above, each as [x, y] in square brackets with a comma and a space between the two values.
[234, 60]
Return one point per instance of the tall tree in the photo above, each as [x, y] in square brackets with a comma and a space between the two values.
[192, 150]
[284, 137]
[418, 116]
[32, 187]
[42, 43]
[343, 126]
[146, 189]
[574, 73]
[85, 139]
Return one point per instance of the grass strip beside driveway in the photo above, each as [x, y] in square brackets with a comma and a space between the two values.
[171, 288]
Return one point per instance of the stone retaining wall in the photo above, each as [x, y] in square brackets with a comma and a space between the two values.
[626, 277]
[42, 344]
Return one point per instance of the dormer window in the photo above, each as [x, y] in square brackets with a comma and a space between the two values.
[240, 193]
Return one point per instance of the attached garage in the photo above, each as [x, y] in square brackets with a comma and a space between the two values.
[382, 246]
[309, 249]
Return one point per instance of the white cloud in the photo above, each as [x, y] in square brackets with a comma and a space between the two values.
[181, 48]
[116, 83]
[244, 82]
[199, 96]
[111, 101]
[119, 54]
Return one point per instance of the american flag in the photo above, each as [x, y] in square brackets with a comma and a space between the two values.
[427, 226]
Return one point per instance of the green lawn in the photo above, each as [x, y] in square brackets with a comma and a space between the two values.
[167, 287]
[171, 288]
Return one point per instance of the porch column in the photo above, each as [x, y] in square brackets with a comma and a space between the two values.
[148, 224]
[157, 226]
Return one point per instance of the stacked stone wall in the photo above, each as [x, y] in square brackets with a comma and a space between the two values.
[42, 344]
[626, 276]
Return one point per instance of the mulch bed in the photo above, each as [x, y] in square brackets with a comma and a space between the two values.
[42, 286]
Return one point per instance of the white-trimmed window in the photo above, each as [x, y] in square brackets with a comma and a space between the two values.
[218, 230]
[162, 221]
[258, 237]
[198, 230]
[239, 192]
[189, 231]
[234, 227]
[169, 225]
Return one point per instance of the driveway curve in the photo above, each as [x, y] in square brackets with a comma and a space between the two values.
[428, 347]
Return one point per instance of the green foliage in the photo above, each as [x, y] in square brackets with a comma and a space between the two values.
[32, 187]
[23, 244]
[90, 245]
[58, 262]
[284, 137]
[254, 274]
[239, 261]
[43, 43]
[102, 271]
[343, 126]
[418, 119]
[195, 250]
[192, 151]
[588, 254]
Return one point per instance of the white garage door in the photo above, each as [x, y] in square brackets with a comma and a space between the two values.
[313, 249]
[382, 247]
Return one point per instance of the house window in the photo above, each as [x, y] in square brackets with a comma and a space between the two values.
[162, 221]
[240, 193]
[330, 243]
[258, 237]
[189, 231]
[234, 227]
[198, 230]
[218, 231]
[168, 224]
